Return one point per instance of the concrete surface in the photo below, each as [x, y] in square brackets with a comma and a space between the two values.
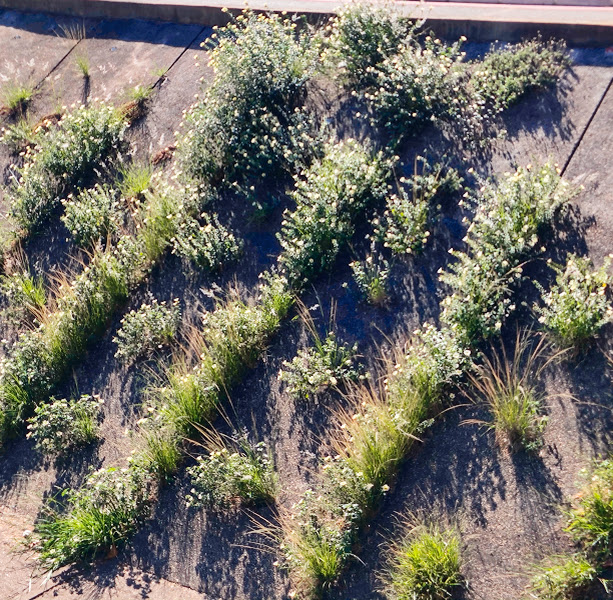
[591, 25]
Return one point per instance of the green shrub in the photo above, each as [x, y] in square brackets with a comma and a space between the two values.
[249, 122]
[404, 226]
[591, 520]
[370, 275]
[333, 194]
[568, 578]
[360, 37]
[327, 363]
[578, 305]
[417, 85]
[25, 295]
[507, 74]
[63, 158]
[510, 216]
[61, 425]
[94, 215]
[146, 330]
[209, 245]
[425, 565]
[238, 470]
[101, 516]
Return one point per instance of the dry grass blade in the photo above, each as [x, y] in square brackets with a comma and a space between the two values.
[508, 385]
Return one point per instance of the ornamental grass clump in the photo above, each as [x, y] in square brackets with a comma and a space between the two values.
[94, 520]
[15, 98]
[94, 215]
[574, 310]
[39, 359]
[330, 198]
[62, 425]
[508, 386]
[206, 243]
[510, 215]
[231, 339]
[232, 469]
[62, 159]
[250, 122]
[147, 330]
[506, 74]
[425, 564]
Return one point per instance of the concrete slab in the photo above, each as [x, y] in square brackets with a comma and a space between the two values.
[550, 125]
[121, 56]
[31, 47]
[174, 95]
[591, 167]
[485, 21]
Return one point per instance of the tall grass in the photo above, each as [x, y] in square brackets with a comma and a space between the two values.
[378, 429]
[509, 387]
[425, 564]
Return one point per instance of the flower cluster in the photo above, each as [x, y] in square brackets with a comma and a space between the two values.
[327, 363]
[62, 159]
[93, 214]
[60, 425]
[245, 471]
[579, 304]
[359, 38]
[330, 197]
[209, 245]
[147, 329]
[417, 85]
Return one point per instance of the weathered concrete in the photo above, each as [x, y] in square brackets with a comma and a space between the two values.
[486, 22]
